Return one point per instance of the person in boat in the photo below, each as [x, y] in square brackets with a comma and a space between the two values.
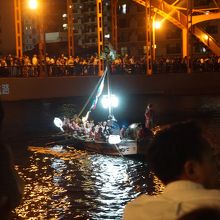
[149, 116]
[66, 124]
[112, 126]
[123, 132]
[182, 158]
[99, 136]
[143, 132]
[92, 133]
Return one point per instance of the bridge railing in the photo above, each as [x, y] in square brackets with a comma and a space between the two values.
[92, 70]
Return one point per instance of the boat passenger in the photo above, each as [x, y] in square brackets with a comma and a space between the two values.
[143, 133]
[112, 125]
[99, 136]
[92, 133]
[149, 116]
[123, 131]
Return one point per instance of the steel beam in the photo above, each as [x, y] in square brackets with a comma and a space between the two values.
[70, 28]
[18, 28]
[100, 34]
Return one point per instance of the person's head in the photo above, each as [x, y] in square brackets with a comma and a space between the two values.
[202, 213]
[149, 106]
[180, 152]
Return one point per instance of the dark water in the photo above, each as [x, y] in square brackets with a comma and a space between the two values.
[64, 183]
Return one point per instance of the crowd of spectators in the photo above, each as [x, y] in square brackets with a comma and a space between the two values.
[11, 66]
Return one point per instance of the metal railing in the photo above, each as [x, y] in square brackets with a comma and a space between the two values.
[159, 67]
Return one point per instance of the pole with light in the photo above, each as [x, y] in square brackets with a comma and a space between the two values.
[156, 25]
[36, 6]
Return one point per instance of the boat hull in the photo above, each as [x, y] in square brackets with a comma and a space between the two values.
[125, 148]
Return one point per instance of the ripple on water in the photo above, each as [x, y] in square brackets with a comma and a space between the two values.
[64, 183]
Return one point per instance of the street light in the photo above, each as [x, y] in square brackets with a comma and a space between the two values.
[34, 5]
[156, 25]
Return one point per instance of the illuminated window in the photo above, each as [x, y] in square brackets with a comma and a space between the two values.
[124, 50]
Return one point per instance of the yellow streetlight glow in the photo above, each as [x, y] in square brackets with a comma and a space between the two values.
[205, 36]
[157, 24]
[33, 4]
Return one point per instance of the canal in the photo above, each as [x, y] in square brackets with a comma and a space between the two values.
[65, 183]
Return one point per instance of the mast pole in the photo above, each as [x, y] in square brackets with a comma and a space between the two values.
[109, 91]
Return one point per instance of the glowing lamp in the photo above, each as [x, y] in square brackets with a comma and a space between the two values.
[58, 123]
[33, 4]
[114, 139]
[113, 102]
[205, 36]
[157, 24]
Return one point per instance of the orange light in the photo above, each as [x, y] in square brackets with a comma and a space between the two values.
[33, 4]
[157, 24]
[206, 37]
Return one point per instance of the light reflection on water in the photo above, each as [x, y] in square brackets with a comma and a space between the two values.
[65, 186]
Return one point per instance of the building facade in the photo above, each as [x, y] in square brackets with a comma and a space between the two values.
[7, 28]
[131, 28]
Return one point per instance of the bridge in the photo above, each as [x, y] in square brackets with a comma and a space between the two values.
[176, 15]
[181, 13]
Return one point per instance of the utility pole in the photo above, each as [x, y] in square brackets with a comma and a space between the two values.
[70, 28]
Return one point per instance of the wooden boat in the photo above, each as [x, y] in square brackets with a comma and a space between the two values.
[112, 144]
[128, 146]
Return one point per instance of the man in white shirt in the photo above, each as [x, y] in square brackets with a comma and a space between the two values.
[182, 159]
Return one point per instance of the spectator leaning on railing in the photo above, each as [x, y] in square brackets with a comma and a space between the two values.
[63, 66]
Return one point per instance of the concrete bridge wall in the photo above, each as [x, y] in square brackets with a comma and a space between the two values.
[13, 89]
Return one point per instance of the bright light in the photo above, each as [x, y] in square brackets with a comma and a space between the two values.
[106, 102]
[107, 36]
[65, 26]
[114, 139]
[124, 9]
[132, 126]
[33, 4]
[58, 122]
[206, 37]
[157, 24]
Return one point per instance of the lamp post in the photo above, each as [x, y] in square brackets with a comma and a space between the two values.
[36, 6]
[156, 25]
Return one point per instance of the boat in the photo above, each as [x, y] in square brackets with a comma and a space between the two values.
[112, 142]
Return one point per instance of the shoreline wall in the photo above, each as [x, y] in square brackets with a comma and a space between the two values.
[15, 89]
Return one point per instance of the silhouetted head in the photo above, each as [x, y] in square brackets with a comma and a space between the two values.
[180, 152]
[150, 105]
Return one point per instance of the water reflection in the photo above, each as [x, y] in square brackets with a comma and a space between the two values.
[64, 183]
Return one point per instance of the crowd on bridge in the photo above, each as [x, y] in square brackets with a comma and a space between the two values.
[11, 66]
